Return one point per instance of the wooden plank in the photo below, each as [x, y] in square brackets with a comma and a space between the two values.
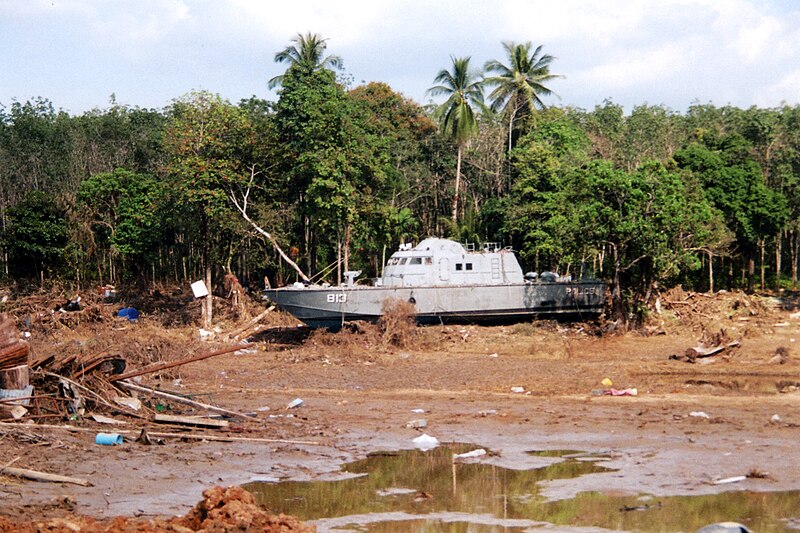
[44, 476]
[191, 421]
[198, 436]
[187, 401]
[15, 378]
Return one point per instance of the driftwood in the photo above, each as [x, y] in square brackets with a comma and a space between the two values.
[163, 366]
[250, 325]
[698, 352]
[44, 476]
[191, 421]
[197, 436]
[180, 399]
[702, 351]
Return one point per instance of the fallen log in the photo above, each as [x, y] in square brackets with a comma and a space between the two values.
[253, 323]
[43, 476]
[702, 351]
[187, 401]
[163, 366]
[191, 421]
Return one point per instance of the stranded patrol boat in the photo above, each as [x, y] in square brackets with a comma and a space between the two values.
[446, 282]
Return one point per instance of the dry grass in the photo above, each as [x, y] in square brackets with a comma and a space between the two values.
[397, 326]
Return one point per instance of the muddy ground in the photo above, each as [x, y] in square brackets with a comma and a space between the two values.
[359, 389]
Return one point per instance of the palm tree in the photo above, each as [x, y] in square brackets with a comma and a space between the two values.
[519, 85]
[307, 53]
[456, 115]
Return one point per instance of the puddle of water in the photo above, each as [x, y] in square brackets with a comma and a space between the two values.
[426, 491]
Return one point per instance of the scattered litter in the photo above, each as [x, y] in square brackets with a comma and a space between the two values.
[128, 312]
[699, 414]
[488, 412]
[776, 418]
[297, 402]
[205, 334]
[106, 419]
[108, 439]
[782, 324]
[469, 455]
[425, 442]
[493, 354]
[621, 392]
[417, 424]
[263, 409]
[418, 410]
[606, 382]
[734, 479]
[127, 401]
[517, 389]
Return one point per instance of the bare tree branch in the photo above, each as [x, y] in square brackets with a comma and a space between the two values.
[242, 207]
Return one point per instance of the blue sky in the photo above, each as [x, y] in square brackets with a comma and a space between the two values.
[148, 52]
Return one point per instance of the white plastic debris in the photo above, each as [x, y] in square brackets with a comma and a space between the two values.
[425, 442]
[734, 479]
[297, 402]
[133, 403]
[699, 414]
[517, 389]
[469, 455]
[418, 410]
[417, 424]
[776, 418]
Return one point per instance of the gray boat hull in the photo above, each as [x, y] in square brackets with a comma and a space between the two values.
[330, 307]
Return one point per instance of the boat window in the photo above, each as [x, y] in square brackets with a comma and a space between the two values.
[459, 266]
[403, 260]
[429, 260]
[469, 266]
[415, 261]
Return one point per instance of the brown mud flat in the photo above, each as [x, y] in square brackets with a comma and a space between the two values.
[359, 390]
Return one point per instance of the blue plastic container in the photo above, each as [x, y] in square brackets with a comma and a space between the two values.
[108, 439]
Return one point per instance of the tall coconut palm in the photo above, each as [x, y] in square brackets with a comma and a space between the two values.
[456, 115]
[520, 85]
[307, 53]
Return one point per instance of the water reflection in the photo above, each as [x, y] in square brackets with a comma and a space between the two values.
[428, 492]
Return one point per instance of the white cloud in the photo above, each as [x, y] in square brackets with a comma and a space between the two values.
[634, 51]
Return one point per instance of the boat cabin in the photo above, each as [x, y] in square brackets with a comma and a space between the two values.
[442, 262]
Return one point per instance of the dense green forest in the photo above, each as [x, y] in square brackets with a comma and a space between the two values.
[337, 176]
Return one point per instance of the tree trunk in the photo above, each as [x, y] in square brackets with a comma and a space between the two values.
[209, 300]
[347, 235]
[778, 251]
[710, 272]
[763, 266]
[793, 246]
[338, 258]
[458, 184]
[751, 271]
